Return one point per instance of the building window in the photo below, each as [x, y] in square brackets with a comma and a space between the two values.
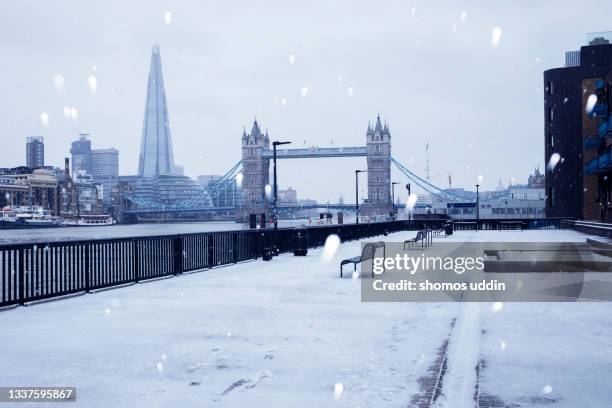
[549, 87]
[551, 114]
[551, 141]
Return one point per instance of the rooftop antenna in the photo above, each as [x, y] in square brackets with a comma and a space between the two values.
[427, 161]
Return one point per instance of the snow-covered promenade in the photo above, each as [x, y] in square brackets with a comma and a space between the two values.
[291, 333]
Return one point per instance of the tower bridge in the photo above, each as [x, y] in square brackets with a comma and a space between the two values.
[256, 155]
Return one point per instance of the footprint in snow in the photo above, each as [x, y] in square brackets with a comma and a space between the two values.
[247, 383]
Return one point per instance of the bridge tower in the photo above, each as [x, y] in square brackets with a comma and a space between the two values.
[378, 142]
[256, 172]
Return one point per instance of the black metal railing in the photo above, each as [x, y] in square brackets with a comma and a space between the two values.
[491, 224]
[30, 272]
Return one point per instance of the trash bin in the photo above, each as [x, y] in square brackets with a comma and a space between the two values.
[268, 254]
[267, 249]
[300, 242]
[448, 228]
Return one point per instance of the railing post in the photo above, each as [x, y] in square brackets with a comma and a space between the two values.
[87, 264]
[235, 247]
[210, 251]
[21, 276]
[136, 260]
[177, 254]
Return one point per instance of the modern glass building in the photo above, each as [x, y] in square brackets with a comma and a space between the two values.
[35, 152]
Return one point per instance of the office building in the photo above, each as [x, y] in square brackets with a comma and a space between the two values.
[35, 152]
[572, 137]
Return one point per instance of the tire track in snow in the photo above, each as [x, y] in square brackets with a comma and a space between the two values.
[463, 356]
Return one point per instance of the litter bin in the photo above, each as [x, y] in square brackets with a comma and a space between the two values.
[448, 228]
[300, 242]
[267, 250]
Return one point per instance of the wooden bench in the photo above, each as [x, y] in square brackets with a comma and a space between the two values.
[420, 236]
[368, 252]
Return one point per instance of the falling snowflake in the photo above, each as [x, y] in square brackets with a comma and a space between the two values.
[107, 311]
[168, 17]
[495, 37]
[93, 83]
[291, 59]
[268, 191]
[554, 160]
[565, 100]
[164, 357]
[74, 114]
[304, 90]
[502, 345]
[284, 102]
[480, 178]
[497, 306]
[67, 112]
[338, 390]
[411, 202]
[44, 119]
[463, 15]
[332, 243]
[413, 11]
[591, 102]
[547, 389]
[160, 367]
[340, 78]
[59, 82]
[351, 91]
[239, 178]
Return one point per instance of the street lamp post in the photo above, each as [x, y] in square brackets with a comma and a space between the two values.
[393, 196]
[274, 144]
[408, 188]
[477, 207]
[357, 193]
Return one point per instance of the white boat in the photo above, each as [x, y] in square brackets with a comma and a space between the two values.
[26, 217]
[87, 221]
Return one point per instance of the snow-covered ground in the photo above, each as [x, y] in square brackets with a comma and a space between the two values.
[291, 333]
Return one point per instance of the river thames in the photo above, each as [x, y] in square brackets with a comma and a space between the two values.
[42, 235]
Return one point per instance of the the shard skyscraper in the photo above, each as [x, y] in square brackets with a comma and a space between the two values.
[156, 155]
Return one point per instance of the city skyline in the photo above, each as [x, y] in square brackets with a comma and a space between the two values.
[476, 117]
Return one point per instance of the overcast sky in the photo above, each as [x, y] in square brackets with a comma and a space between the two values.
[429, 67]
